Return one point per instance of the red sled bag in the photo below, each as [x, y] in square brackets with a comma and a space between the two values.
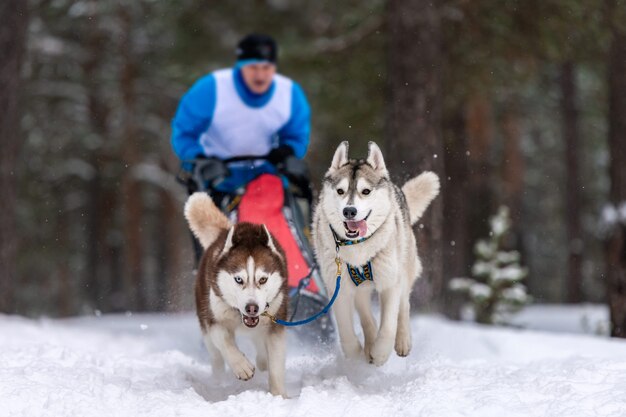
[267, 201]
[263, 203]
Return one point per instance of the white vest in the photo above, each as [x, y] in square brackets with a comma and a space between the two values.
[238, 129]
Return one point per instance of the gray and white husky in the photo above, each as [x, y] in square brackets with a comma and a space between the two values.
[242, 274]
[365, 220]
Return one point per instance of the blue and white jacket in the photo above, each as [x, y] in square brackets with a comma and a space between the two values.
[219, 116]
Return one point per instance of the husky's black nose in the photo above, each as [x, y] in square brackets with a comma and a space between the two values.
[252, 309]
[349, 212]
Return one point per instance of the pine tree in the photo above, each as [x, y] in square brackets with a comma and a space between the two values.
[495, 289]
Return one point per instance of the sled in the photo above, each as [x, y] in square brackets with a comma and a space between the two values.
[285, 209]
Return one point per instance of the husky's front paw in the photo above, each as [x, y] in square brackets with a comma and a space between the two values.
[380, 351]
[243, 369]
[403, 344]
[279, 391]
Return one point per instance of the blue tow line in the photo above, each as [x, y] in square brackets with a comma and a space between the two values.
[316, 316]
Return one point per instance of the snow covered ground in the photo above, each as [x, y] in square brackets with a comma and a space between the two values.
[582, 318]
[155, 365]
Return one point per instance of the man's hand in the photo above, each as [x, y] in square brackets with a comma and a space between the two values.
[298, 173]
[280, 154]
[211, 170]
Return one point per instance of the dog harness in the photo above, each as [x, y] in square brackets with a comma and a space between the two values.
[358, 275]
[362, 274]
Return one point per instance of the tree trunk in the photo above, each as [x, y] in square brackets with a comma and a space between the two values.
[616, 245]
[512, 163]
[457, 246]
[13, 26]
[101, 201]
[480, 134]
[513, 169]
[131, 190]
[170, 256]
[65, 288]
[414, 142]
[573, 199]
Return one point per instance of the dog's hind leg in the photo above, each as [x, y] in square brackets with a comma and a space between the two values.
[390, 306]
[403, 335]
[224, 341]
[276, 347]
[217, 361]
[363, 302]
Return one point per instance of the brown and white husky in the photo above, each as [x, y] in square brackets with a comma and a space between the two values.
[241, 274]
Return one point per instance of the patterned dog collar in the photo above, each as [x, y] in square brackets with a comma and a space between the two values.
[340, 242]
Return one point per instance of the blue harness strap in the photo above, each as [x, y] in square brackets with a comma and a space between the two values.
[362, 274]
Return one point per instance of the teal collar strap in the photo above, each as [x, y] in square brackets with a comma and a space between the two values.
[340, 242]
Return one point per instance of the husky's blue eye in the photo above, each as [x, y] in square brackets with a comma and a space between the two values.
[340, 191]
[238, 280]
[366, 191]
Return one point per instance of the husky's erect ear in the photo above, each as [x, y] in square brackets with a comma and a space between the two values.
[270, 243]
[229, 240]
[341, 155]
[375, 157]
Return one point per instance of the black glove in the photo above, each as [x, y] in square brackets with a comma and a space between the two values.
[211, 170]
[297, 171]
[278, 155]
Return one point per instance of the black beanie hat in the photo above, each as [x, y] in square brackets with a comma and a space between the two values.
[257, 47]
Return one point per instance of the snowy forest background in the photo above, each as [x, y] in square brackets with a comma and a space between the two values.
[516, 103]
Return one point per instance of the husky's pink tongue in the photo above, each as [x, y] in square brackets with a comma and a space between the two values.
[360, 225]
